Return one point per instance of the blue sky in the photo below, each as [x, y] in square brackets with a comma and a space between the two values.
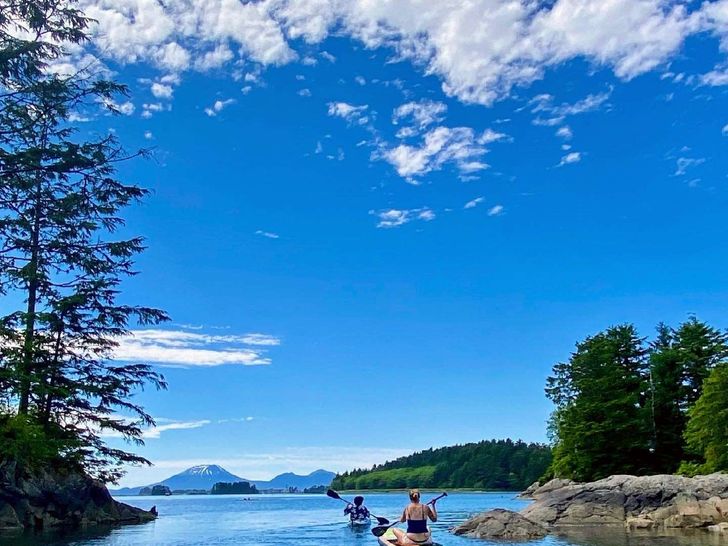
[377, 227]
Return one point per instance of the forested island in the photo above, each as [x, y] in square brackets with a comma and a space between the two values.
[491, 464]
[236, 488]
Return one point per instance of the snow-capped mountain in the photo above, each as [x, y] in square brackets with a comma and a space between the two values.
[205, 476]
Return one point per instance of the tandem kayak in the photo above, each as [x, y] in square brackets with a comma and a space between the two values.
[389, 538]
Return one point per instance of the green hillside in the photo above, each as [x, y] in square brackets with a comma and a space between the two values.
[491, 464]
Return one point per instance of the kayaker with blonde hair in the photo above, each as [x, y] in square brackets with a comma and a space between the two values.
[415, 515]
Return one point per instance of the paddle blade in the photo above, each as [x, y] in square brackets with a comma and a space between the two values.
[380, 530]
[333, 494]
[381, 521]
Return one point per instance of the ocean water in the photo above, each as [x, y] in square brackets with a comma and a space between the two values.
[306, 520]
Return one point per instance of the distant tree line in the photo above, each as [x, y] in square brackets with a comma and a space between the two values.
[491, 464]
[235, 488]
[628, 406]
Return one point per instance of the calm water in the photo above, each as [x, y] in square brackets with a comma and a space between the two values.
[306, 520]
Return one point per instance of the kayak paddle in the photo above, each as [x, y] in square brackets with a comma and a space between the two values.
[381, 529]
[334, 495]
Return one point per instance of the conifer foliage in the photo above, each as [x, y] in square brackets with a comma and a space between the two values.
[623, 406]
[61, 258]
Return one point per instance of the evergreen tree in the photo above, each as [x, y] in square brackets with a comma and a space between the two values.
[707, 427]
[60, 263]
[668, 401]
[680, 362]
[600, 425]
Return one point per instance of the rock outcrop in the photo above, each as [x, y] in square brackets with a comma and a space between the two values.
[502, 524]
[645, 502]
[46, 499]
[528, 492]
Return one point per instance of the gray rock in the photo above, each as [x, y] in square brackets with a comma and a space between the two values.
[500, 524]
[528, 492]
[550, 486]
[644, 502]
[47, 498]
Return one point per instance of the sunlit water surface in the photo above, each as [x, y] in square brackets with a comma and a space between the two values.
[306, 520]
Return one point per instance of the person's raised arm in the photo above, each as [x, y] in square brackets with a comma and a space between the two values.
[403, 519]
[432, 512]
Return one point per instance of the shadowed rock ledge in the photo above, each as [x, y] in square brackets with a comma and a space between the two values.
[46, 499]
[631, 502]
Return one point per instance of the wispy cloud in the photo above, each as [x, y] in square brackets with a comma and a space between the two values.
[496, 210]
[568, 159]
[686, 163]
[564, 132]
[267, 234]
[421, 114]
[551, 114]
[349, 112]
[185, 348]
[473, 203]
[218, 107]
[153, 433]
[391, 218]
[439, 146]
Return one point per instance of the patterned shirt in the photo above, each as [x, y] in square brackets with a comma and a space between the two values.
[356, 513]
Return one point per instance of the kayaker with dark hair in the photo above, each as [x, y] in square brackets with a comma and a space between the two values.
[415, 515]
[358, 513]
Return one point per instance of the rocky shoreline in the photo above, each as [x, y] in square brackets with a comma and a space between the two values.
[659, 502]
[48, 499]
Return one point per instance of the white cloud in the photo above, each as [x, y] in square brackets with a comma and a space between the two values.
[149, 109]
[480, 49]
[496, 210]
[685, 163]
[218, 107]
[473, 203]
[556, 114]
[360, 80]
[153, 433]
[489, 135]
[441, 145]
[214, 58]
[725, 130]
[565, 132]
[180, 348]
[390, 218]
[715, 78]
[571, 157]
[126, 108]
[268, 234]
[162, 91]
[422, 113]
[305, 92]
[148, 135]
[347, 111]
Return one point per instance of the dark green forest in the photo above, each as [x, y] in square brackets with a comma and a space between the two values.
[626, 405]
[490, 464]
[237, 488]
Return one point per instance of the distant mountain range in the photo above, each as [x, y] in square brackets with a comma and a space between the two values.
[205, 476]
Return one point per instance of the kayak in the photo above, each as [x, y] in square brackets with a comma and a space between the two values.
[389, 538]
[359, 523]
